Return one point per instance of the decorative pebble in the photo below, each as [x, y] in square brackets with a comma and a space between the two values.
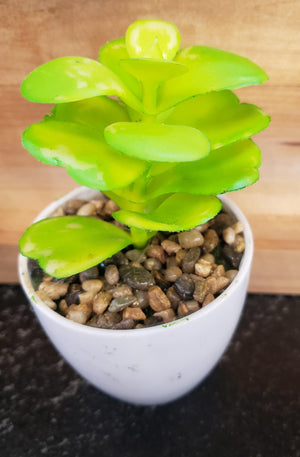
[229, 235]
[125, 324]
[73, 298]
[58, 212]
[86, 297]
[167, 315]
[101, 302]
[238, 227]
[232, 257]
[184, 286]
[156, 252]
[72, 206]
[199, 292]
[152, 264]
[221, 221]
[190, 258]
[90, 273]
[190, 239]
[161, 280]
[203, 268]
[122, 291]
[239, 244]
[112, 274]
[54, 290]
[107, 320]
[79, 313]
[209, 258]
[172, 273]
[138, 278]
[134, 313]
[211, 240]
[170, 247]
[171, 261]
[231, 274]
[222, 282]
[119, 304]
[173, 297]
[63, 307]
[153, 320]
[192, 306]
[180, 256]
[142, 299]
[93, 285]
[136, 255]
[42, 294]
[158, 299]
[182, 309]
[88, 209]
[203, 227]
[110, 207]
[219, 271]
[208, 299]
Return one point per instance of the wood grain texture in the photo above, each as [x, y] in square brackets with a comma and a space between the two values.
[267, 32]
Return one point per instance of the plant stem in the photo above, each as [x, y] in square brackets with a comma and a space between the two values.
[140, 237]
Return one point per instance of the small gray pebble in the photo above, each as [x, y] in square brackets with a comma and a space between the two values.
[90, 273]
[184, 286]
[136, 255]
[189, 260]
[120, 303]
[138, 278]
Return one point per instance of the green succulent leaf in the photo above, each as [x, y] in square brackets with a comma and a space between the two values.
[152, 39]
[210, 69]
[69, 79]
[110, 55]
[84, 153]
[97, 112]
[67, 245]
[223, 170]
[177, 212]
[221, 117]
[157, 142]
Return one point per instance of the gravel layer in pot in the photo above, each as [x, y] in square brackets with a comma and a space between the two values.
[175, 275]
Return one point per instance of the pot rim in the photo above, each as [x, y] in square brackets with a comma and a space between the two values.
[110, 333]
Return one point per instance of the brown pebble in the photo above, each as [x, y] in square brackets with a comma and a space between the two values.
[219, 271]
[221, 221]
[211, 240]
[171, 261]
[93, 285]
[180, 256]
[170, 247]
[58, 212]
[209, 258]
[182, 309]
[101, 302]
[86, 297]
[74, 288]
[152, 264]
[208, 299]
[211, 285]
[158, 299]
[142, 299]
[79, 313]
[72, 206]
[54, 290]
[167, 315]
[63, 307]
[172, 273]
[121, 291]
[99, 204]
[200, 290]
[192, 306]
[239, 244]
[110, 207]
[111, 274]
[202, 227]
[42, 294]
[134, 313]
[190, 239]
[139, 326]
[238, 227]
[157, 252]
[222, 282]
[125, 324]
[88, 209]
[231, 274]
[173, 297]
[203, 268]
[229, 235]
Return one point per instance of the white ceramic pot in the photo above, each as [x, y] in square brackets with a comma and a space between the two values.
[152, 365]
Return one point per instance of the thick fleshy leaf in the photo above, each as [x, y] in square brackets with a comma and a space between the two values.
[110, 55]
[83, 152]
[152, 73]
[67, 245]
[210, 69]
[221, 117]
[177, 212]
[157, 142]
[96, 112]
[69, 79]
[223, 170]
[152, 39]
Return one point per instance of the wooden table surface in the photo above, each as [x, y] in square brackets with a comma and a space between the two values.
[267, 32]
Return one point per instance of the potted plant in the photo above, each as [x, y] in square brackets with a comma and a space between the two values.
[160, 133]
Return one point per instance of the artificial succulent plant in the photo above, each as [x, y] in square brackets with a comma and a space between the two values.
[154, 127]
